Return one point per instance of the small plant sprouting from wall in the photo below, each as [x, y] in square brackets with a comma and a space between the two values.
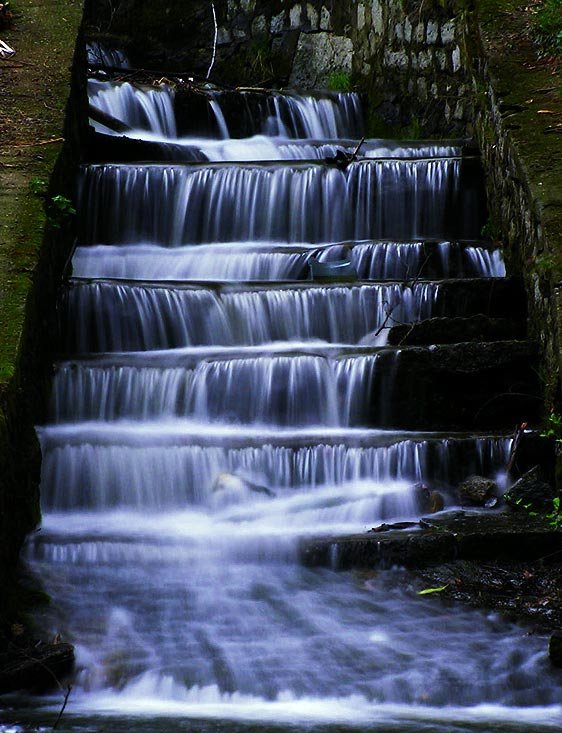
[340, 81]
[554, 428]
[59, 209]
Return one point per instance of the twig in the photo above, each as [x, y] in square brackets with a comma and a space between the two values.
[517, 435]
[42, 142]
[67, 695]
[214, 40]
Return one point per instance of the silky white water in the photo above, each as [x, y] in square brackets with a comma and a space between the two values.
[200, 432]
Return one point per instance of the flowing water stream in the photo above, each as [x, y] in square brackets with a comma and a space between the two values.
[205, 422]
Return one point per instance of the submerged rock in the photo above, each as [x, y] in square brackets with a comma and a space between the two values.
[427, 501]
[477, 490]
[233, 489]
[530, 492]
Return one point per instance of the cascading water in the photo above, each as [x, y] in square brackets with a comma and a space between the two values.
[204, 431]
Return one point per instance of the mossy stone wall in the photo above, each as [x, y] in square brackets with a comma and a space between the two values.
[39, 144]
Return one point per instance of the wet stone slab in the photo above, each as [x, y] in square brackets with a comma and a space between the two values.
[451, 536]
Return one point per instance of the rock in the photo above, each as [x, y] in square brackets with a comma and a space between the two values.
[317, 56]
[40, 668]
[530, 492]
[436, 502]
[476, 490]
[233, 489]
[428, 502]
[555, 648]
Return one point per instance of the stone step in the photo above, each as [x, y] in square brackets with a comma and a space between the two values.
[461, 386]
[108, 315]
[241, 261]
[287, 201]
[120, 464]
[103, 148]
[457, 535]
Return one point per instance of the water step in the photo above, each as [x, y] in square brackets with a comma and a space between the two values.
[486, 385]
[118, 316]
[270, 261]
[285, 201]
[163, 465]
[137, 146]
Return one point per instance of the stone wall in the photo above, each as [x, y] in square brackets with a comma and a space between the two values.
[405, 56]
[520, 163]
[40, 146]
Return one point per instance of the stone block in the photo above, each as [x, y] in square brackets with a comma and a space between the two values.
[312, 16]
[456, 59]
[407, 30]
[325, 19]
[361, 20]
[378, 17]
[259, 26]
[448, 32]
[425, 59]
[432, 32]
[224, 36]
[231, 9]
[318, 55]
[396, 59]
[295, 16]
[277, 23]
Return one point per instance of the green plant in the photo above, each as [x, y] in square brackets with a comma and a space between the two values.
[260, 59]
[38, 187]
[59, 209]
[554, 429]
[555, 516]
[490, 230]
[340, 81]
[548, 24]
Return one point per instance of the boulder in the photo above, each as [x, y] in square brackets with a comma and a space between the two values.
[229, 489]
[555, 648]
[476, 490]
[530, 493]
[427, 501]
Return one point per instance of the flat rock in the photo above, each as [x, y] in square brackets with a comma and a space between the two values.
[470, 535]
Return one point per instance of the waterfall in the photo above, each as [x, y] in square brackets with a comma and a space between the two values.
[215, 408]
[239, 261]
[139, 108]
[181, 204]
[121, 317]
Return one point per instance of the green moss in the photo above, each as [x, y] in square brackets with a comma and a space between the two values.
[548, 24]
[44, 35]
[340, 81]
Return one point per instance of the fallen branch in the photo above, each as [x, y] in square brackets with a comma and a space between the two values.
[67, 695]
[41, 142]
[517, 436]
[98, 115]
